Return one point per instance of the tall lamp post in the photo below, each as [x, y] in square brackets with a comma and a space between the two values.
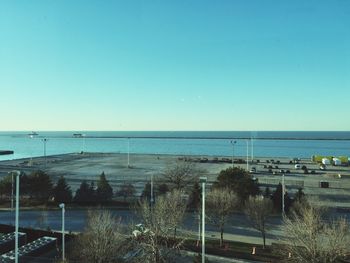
[283, 193]
[31, 151]
[17, 174]
[12, 190]
[152, 197]
[128, 152]
[233, 150]
[252, 149]
[83, 135]
[62, 206]
[45, 141]
[247, 142]
[203, 180]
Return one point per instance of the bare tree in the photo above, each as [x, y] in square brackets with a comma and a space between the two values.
[102, 241]
[258, 209]
[220, 203]
[181, 174]
[126, 190]
[311, 238]
[160, 222]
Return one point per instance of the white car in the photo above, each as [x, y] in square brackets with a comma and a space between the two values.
[252, 170]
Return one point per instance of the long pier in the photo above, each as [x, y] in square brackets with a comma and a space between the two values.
[5, 152]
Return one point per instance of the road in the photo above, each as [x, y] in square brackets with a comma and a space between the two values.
[237, 228]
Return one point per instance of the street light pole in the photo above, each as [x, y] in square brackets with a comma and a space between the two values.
[203, 180]
[12, 191]
[283, 193]
[128, 152]
[247, 142]
[17, 173]
[31, 152]
[252, 149]
[84, 135]
[233, 150]
[44, 141]
[62, 206]
[152, 197]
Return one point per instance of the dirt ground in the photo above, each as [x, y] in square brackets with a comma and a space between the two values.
[88, 166]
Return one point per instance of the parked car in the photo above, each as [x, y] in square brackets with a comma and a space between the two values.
[323, 167]
[252, 170]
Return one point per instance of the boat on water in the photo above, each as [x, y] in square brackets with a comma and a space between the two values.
[78, 135]
[33, 133]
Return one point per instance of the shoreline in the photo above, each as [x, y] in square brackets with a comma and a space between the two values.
[153, 154]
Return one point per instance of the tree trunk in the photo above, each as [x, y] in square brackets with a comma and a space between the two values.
[221, 236]
[264, 239]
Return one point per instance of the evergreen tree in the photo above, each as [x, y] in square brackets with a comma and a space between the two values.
[92, 192]
[299, 196]
[267, 193]
[85, 194]
[24, 185]
[162, 189]
[239, 181]
[126, 190]
[39, 185]
[104, 192]
[195, 196]
[62, 192]
[146, 193]
[6, 186]
[277, 199]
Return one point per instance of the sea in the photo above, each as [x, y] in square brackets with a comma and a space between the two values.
[292, 144]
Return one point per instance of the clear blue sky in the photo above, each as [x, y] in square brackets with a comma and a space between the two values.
[175, 65]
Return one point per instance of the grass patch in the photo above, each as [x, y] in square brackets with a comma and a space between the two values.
[234, 249]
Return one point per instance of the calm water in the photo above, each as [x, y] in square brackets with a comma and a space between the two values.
[267, 144]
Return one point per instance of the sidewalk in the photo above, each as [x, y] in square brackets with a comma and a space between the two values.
[216, 259]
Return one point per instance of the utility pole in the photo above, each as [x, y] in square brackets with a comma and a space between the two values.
[233, 150]
[252, 148]
[17, 173]
[12, 191]
[247, 142]
[283, 193]
[128, 152]
[203, 180]
[152, 197]
[45, 141]
[62, 206]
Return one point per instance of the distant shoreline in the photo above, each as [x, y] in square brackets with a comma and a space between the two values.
[76, 155]
[193, 138]
[199, 135]
[210, 138]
